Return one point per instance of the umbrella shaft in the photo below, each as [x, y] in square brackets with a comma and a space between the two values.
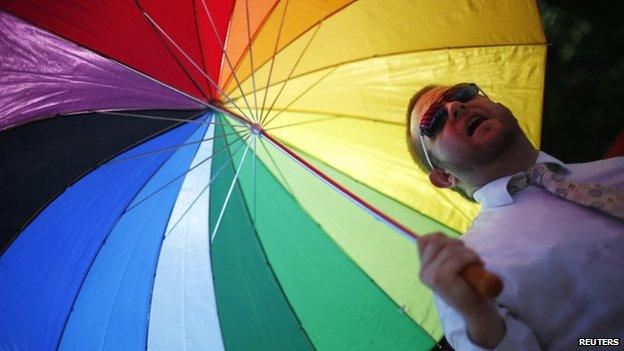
[351, 196]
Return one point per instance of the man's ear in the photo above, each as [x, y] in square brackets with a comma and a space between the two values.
[441, 179]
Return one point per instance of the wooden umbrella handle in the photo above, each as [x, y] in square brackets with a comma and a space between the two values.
[489, 285]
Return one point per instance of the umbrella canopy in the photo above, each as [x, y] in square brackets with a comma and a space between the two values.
[233, 174]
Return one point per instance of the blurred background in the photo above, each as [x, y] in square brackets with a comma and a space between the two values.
[584, 79]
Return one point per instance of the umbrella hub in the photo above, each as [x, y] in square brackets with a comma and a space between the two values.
[216, 103]
[256, 129]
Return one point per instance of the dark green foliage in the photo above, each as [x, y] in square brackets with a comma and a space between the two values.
[584, 77]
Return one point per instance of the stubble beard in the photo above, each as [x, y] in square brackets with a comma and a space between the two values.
[470, 162]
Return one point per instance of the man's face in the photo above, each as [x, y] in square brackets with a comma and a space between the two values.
[474, 133]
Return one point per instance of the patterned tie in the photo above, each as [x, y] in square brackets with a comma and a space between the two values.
[548, 175]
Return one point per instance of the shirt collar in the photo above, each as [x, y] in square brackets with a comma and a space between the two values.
[495, 193]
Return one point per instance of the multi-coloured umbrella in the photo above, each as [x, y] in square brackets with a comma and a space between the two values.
[206, 174]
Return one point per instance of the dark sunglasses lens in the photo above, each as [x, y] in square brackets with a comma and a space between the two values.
[462, 92]
[433, 121]
[432, 125]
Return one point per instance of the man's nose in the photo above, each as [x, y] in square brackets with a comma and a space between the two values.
[455, 110]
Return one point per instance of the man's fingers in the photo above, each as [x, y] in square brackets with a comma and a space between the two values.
[439, 270]
[443, 255]
[431, 273]
[437, 249]
[431, 245]
[457, 263]
[424, 240]
[443, 259]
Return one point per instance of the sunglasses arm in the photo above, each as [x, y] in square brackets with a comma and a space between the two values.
[422, 144]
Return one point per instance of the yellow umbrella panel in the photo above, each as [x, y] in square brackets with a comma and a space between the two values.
[339, 91]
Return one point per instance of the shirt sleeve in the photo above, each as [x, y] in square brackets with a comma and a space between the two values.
[517, 337]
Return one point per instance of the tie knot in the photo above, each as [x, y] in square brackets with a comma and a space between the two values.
[538, 174]
[541, 173]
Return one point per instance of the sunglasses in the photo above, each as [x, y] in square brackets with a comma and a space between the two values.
[433, 119]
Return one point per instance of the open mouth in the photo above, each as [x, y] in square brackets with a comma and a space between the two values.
[474, 123]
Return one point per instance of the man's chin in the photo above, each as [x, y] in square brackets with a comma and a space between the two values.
[493, 144]
[485, 148]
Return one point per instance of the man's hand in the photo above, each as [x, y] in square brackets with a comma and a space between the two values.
[442, 260]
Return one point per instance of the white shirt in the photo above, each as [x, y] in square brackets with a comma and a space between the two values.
[562, 264]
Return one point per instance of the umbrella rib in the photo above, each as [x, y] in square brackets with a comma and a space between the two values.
[212, 179]
[180, 175]
[255, 157]
[333, 116]
[191, 61]
[303, 31]
[250, 50]
[227, 58]
[163, 84]
[279, 35]
[374, 212]
[229, 193]
[67, 185]
[306, 122]
[227, 79]
[188, 75]
[268, 261]
[247, 123]
[292, 194]
[125, 66]
[105, 238]
[199, 42]
[300, 95]
[249, 127]
[305, 49]
[277, 168]
[338, 64]
[154, 152]
[125, 114]
[398, 227]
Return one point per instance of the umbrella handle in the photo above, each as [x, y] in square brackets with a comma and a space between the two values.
[489, 285]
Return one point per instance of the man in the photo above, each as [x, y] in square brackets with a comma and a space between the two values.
[561, 261]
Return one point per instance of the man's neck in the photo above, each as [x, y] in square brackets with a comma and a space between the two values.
[518, 158]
